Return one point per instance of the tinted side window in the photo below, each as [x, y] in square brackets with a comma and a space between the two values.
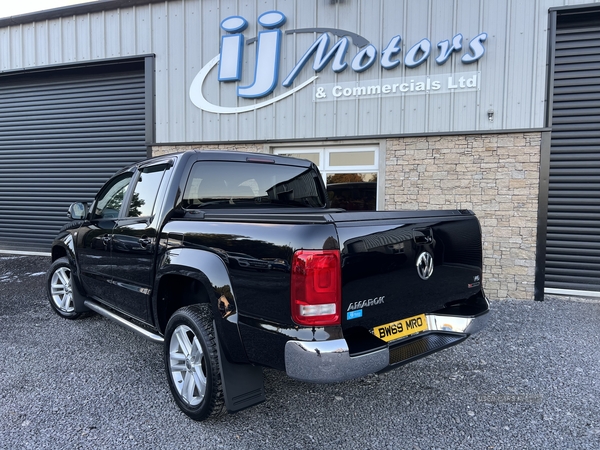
[146, 190]
[110, 198]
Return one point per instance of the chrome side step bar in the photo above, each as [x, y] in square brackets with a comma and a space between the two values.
[121, 321]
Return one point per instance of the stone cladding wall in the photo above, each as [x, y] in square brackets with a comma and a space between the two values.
[495, 175]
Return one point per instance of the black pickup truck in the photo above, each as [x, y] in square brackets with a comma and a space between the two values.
[235, 261]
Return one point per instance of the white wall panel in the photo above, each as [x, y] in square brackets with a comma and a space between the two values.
[56, 35]
[284, 112]
[443, 26]
[29, 59]
[113, 35]
[5, 49]
[324, 115]
[390, 108]
[517, 94]
[160, 48]
[493, 76]
[369, 24]
[464, 109]
[416, 28]
[185, 34]
[98, 36]
[265, 117]
[143, 29]
[16, 57]
[69, 39]
[208, 48]
[176, 67]
[346, 111]
[83, 38]
[128, 32]
[193, 63]
[42, 44]
[306, 16]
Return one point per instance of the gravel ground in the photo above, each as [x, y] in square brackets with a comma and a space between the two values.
[528, 381]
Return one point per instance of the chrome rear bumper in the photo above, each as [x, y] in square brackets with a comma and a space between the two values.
[331, 362]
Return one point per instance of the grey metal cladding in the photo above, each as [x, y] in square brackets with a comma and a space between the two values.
[573, 228]
[185, 36]
[63, 133]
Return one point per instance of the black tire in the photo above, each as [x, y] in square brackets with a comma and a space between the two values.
[192, 363]
[59, 286]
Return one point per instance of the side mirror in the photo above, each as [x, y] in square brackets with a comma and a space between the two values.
[77, 211]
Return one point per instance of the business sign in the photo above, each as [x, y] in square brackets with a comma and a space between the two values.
[394, 87]
[324, 53]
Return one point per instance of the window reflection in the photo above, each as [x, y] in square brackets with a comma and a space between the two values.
[353, 191]
[350, 174]
[230, 184]
[146, 190]
[351, 158]
[110, 199]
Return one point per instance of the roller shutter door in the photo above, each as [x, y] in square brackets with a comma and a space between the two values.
[62, 135]
[573, 231]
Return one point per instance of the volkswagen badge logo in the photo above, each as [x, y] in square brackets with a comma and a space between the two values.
[425, 265]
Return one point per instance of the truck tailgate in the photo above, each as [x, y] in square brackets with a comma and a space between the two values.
[398, 265]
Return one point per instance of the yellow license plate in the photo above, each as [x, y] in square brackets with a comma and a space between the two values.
[401, 328]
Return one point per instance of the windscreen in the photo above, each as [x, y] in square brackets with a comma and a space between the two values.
[225, 184]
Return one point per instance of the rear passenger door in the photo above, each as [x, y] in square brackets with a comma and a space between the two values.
[134, 242]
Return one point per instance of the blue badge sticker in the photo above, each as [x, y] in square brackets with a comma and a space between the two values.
[354, 314]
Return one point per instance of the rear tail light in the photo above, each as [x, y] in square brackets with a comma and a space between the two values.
[316, 287]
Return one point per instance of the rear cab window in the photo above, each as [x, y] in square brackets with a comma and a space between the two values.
[228, 184]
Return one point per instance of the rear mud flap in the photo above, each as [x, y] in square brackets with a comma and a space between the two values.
[243, 384]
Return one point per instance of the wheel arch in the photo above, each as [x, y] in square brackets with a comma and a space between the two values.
[188, 277]
[64, 246]
[58, 251]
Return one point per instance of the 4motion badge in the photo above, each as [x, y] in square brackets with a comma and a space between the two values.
[425, 265]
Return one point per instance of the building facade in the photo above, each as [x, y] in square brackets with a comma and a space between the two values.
[458, 104]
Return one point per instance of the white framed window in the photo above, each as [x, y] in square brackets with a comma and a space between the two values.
[350, 173]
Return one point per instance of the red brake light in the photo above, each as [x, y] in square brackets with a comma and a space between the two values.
[316, 287]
